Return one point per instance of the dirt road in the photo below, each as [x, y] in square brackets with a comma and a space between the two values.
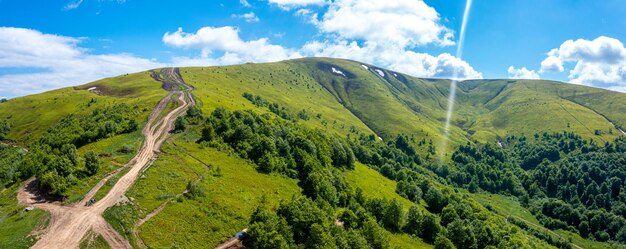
[70, 223]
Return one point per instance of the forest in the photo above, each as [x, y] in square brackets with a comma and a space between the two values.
[567, 182]
[333, 214]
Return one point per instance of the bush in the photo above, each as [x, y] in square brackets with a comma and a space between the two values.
[194, 191]
[92, 162]
[180, 124]
[5, 127]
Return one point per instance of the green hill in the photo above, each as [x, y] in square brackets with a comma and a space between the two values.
[331, 105]
[390, 103]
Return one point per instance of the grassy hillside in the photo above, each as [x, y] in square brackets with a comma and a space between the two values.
[527, 107]
[337, 98]
[389, 103]
[32, 115]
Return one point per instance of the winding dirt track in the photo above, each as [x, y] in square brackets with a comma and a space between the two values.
[70, 223]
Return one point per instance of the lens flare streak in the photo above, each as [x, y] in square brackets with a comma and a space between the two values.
[455, 76]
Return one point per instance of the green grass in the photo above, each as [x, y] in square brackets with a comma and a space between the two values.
[104, 190]
[16, 224]
[166, 178]
[505, 205]
[32, 115]
[374, 185]
[407, 241]
[122, 218]
[276, 82]
[78, 191]
[93, 241]
[108, 146]
[229, 201]
[526, 107]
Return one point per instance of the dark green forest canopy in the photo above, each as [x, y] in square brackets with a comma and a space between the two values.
[568, 183]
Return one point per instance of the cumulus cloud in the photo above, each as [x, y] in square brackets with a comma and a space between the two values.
[387, 34]
[226, 40]
[248, 17]
[401, 60]
[600, 62]
[552, 64]
[245, 3]
[289, 4]
[383, 33]
[309, 15]
[522, 73]
[402, 23]
[56, 61]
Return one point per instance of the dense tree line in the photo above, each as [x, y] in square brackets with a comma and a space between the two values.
[100, 123]
[333, 214]
[568, 182]
[53, 158]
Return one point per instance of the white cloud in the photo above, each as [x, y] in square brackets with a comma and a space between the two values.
[76, 3]
[522, 73]
[383, 33]
[248, 17]
[403, 23]
[600, 62]
[405, 61]
[245, 3]
[58, 61]
[552, 64]
[226, 40]
[309, 15]
[386, 33]
[288, 4]
[73, 5]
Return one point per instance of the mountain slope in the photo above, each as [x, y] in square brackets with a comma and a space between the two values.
[389, 103]
[215, 186]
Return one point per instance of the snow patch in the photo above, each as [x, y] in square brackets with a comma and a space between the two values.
[395, 74]
[364, 66]
[91, 88]
[380, 72]
[335, 71]
[380, 138]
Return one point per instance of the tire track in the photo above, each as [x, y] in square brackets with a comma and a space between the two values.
[69, 223]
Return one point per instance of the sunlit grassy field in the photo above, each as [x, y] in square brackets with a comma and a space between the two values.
[93, 241]
[32, 115]
[16, 225]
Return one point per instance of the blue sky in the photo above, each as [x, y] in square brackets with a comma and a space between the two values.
[50, 44]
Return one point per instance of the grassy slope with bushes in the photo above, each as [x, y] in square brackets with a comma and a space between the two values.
[30, 117]
[360, 101]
